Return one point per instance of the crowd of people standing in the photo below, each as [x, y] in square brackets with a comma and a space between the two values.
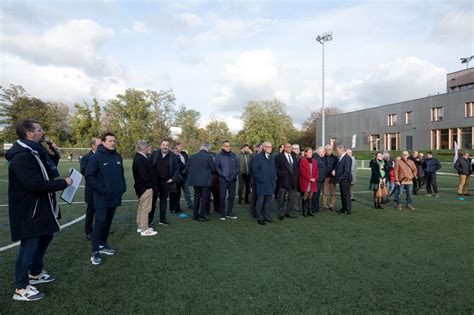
[304, 182]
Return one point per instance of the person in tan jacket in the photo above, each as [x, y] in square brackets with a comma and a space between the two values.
[405, 172]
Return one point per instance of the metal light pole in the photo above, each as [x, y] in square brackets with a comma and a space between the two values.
[466, 61]
[322, 39]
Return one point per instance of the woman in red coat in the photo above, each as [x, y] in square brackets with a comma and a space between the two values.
[308, 179]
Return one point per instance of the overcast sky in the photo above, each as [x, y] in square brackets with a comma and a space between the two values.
[218, 55]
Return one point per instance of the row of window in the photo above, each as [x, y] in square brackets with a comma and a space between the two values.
[437, 114]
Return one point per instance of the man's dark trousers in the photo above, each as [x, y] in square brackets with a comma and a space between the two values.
[201, 200]
[431, 183]
[315, 199]
[102, 223]
[345, 188]
[225, 187]
[30, 259]
[262, 207]
[162, 191]
[89, 218]
[244, 185]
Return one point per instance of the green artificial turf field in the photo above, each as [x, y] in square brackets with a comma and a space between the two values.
[377, 261]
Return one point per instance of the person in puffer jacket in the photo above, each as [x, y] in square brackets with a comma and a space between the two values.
[430, 166]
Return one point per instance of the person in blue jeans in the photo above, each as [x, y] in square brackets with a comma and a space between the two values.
[32, 206]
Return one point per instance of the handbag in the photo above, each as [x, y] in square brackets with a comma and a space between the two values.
[382, 190]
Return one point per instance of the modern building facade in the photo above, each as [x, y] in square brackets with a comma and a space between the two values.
[433, 122]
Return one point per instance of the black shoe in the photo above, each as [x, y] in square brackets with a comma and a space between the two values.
[164, 222]
[281, 217]
[269, 220]
[331, 209]
[352, 199]
[310, 214]
[89, 237]
[204, 219]
[304, 214]
[261, 222]
[290, 216]
[347, 213]
[340, 211]
[240, 202]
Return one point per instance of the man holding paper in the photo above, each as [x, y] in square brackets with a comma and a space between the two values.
[33, 209]
[105, 175]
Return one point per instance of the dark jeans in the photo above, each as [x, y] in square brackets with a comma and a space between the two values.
[162, 191]
[316, 196]
[282, 195]
[262, 207]
[30, 259]
[103, 221]
[225, 187]
[431, 183]
[253, 198]
[345, 188]
[201, 200]
[175, 198]
[244, 187]
[89, 218]
[215, 196]
[187, 194]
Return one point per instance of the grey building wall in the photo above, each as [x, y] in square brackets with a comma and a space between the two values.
[374, 121]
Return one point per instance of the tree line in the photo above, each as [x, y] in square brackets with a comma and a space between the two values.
[150, 115]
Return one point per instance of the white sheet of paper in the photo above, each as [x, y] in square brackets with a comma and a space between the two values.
[69, 193]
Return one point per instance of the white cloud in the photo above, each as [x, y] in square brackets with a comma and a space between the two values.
[140, 27]
[191, 19]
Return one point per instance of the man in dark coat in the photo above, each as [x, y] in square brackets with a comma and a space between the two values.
[253, 194]
[227, 167]
[430, 166]
[88, 193]
[105, 175]
[182, 182]
[343, 176]
[264, 170]
[318, 156]
[165, 174]
[32, 205]
[143, 187]
[464, 167]
[287, 169]
[200, 168]
[329, 181]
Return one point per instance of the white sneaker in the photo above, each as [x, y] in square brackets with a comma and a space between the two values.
[148, 232]
[139, 230]
[233, 217]
[30, 293]
[43, 277]
[222, 219]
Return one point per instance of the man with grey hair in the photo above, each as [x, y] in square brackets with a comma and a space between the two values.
[143, 187]
[318, 156]
[89, 193]
[200, 168]
[343, 175]
[263, 168]
[329, 182]
[253, 194]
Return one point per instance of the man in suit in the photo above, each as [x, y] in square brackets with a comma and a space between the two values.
[253, 194]
[329, 182]
[200, 168]
[343, 175]
[263, 168]
[88, 193]
[143, 187]
[298, 204]
[287, 170]
[318, 156]
[175, 196]
[227, 167]
[244, 173]
[165, 172]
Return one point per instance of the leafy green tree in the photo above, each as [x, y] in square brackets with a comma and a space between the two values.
[128, 116]
[267, 120]
[85, 123]
[307, 135]
[188, 120]
[215, 132]
[162, 114]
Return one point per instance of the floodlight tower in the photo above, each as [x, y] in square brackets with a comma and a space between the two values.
[322, 39]
[466, 61]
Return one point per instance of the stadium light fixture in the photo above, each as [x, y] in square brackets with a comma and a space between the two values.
[466, 61]
[325, 37]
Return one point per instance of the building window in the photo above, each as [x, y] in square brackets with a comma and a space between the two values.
[437, 113]
[391, 120]
[408, 118]
[374, 142]
[445, 138]
[469, 110]
[392, 141]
